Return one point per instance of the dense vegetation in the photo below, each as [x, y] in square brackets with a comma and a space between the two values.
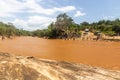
[9, 30]
[107, 27]
[64, 28]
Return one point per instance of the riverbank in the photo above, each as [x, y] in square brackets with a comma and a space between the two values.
[96, 53]
[13, 67]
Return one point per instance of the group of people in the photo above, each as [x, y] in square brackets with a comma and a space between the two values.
[86, 35]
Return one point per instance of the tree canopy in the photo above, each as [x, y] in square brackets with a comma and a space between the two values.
[64, 27]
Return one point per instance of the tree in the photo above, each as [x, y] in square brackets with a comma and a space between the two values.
[65, 27]
[84, 25]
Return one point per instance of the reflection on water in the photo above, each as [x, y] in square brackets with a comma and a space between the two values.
[98, 53]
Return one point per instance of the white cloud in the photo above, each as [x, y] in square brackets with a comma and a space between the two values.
[65, 9]
[12, 9]
[79, 13]
[36, 8]
[9, 7]
[3, 15]
[33, 23]
[21, 24]
[109, 17]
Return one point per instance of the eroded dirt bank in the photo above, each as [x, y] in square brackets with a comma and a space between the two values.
[105, 54]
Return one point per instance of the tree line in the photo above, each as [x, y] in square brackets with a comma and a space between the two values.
[64, 28]
[9, 30]
[108, 27]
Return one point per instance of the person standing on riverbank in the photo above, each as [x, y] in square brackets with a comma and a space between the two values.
[99, 35]
[85, 34]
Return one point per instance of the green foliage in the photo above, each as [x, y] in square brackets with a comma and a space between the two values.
[109, 33]
[106, 26]
[64, 28]
[9, 30]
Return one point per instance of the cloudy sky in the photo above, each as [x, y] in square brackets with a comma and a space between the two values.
[38, 14]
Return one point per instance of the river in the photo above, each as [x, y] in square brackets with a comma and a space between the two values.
[97, 53]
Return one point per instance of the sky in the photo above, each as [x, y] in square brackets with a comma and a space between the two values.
[38, 14]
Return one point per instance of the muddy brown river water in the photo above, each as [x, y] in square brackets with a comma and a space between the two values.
[97, 53]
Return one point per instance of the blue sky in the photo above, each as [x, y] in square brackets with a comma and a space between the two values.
[38, 14]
